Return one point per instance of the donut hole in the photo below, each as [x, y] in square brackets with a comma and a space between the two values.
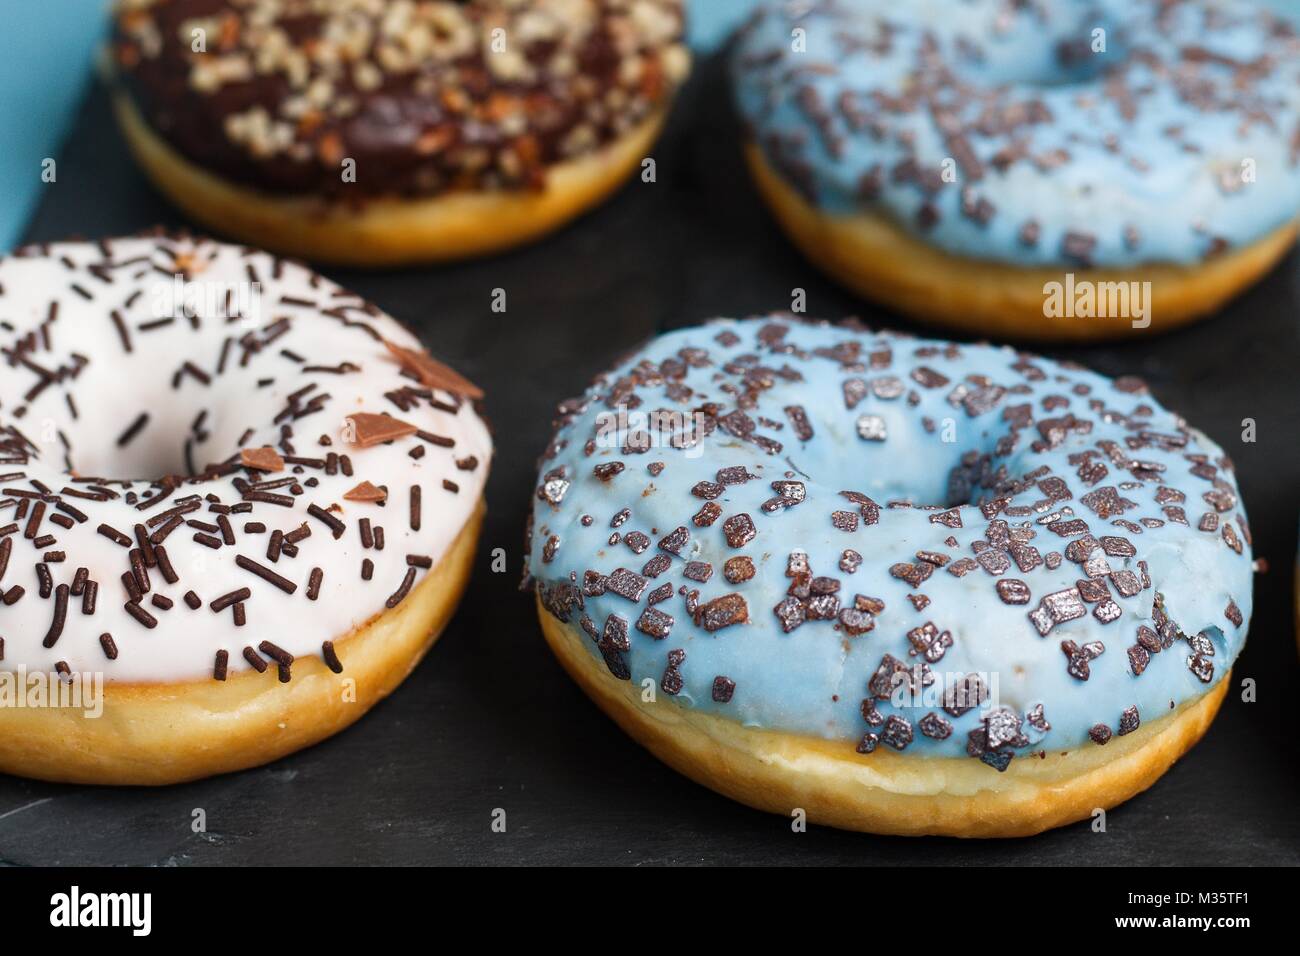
[929, 462]
[1070, 61]
[1062, 48]
[144, 430]
[183, 378]
[154, 452]
[949, 461]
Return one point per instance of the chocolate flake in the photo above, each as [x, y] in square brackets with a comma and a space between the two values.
[1013, 591]
[1129, 721]
[369, 429]
[739, 530]
[724, 688]
[1057, 608]
[261, 459]
[722, 612]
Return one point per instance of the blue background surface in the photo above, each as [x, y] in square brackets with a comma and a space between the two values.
[46, 57]
[711, 21]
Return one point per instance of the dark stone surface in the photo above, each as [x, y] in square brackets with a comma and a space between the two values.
[489, 720]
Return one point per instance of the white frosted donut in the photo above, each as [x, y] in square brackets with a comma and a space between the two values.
[219, 473]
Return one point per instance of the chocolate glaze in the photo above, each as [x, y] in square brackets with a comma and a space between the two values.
[422, 107]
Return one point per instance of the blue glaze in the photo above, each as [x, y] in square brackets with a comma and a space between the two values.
[813, 679]
[1182, 193]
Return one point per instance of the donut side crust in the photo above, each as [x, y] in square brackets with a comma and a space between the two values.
[877, 259]
[152, 734]
[380, 233]
[884, 792]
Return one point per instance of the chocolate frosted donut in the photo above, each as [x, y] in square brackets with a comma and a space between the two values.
[240, 496]
[953, 159]
[906, 585]
[332, 128]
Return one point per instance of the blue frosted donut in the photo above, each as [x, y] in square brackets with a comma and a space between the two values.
[1109, 134]
[894, 545]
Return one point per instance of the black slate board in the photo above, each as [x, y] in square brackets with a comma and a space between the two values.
[489, 720]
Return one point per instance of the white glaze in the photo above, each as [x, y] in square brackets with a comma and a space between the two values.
[113, 388]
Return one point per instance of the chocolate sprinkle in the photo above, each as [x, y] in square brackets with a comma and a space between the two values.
[724, 688]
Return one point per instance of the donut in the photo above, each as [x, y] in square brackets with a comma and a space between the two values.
[1048, 170]
[385, 132]
[238, 504]
[901, 585]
